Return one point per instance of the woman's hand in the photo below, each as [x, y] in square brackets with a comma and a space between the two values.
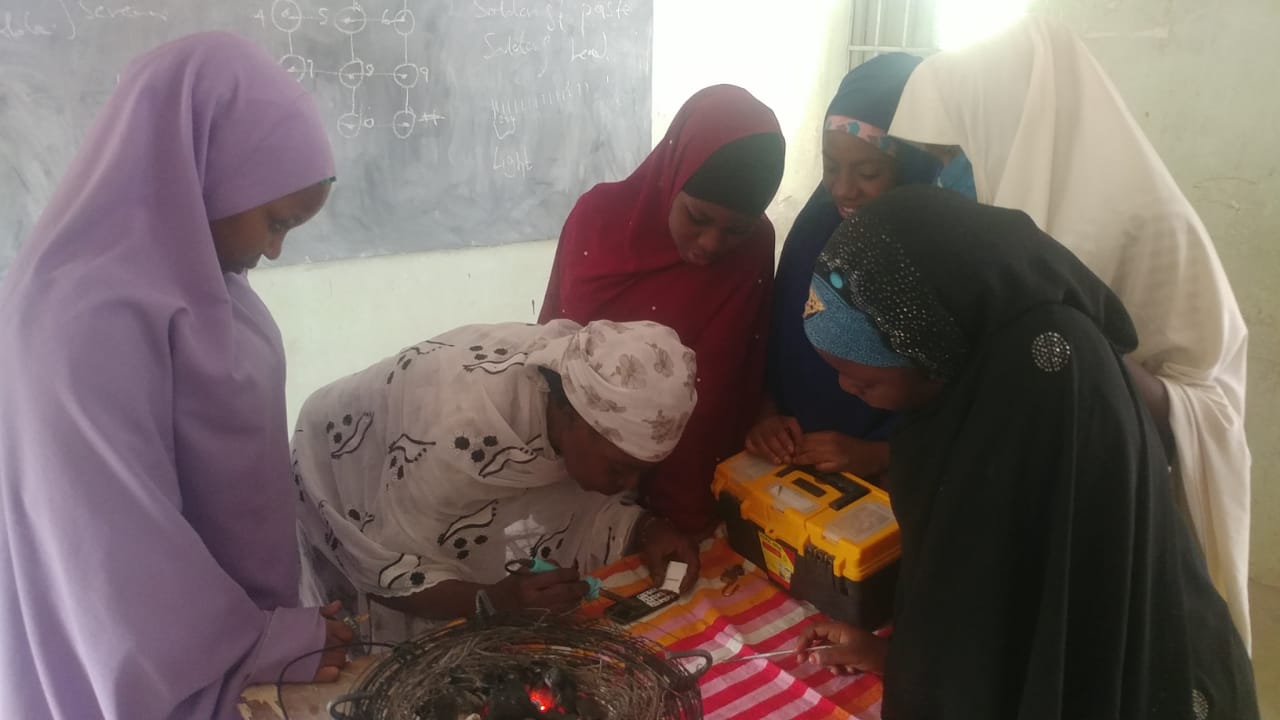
[857, 651]
[557, 590]
[337, 634]
[659, 542]
[832, 451]
[775, 438]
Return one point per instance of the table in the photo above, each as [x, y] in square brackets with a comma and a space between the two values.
[757, 616]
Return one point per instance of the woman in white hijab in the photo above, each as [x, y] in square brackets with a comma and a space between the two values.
[423, 477]
[1046, 133]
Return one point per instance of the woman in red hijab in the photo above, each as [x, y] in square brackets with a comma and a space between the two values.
[684, 242]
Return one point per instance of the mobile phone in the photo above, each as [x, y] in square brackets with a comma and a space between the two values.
[640, 605]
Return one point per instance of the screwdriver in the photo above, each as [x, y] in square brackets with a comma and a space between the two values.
[776, 653]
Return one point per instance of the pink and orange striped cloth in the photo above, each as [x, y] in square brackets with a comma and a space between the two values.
[757, 617]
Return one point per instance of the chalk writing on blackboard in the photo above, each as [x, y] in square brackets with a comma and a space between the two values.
[454, 123]
[22, 26]
[59, 18]
[352, 21]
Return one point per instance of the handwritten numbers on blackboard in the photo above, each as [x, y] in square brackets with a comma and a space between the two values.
[352, 21]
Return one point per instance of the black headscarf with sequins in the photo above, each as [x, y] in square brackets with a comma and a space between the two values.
[937, 281]
[1047, 572]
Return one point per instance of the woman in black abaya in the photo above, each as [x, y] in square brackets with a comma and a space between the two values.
[1046, 571]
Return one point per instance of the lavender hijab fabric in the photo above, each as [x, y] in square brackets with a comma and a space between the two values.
[148, 566]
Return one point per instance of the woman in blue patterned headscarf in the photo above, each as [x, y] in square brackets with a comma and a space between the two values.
[806, 419]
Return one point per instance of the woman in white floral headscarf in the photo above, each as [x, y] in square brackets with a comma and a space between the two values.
[422, 476]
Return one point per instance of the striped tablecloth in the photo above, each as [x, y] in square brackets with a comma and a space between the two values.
[757, 617]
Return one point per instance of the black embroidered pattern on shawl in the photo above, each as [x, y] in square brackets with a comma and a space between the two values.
[405, 451]
[471, 521]
[348, 434]
[411, 353]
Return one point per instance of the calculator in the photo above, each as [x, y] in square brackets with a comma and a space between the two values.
[642, 604]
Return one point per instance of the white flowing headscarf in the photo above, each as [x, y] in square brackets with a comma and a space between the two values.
[1048, 134]
[634, 382]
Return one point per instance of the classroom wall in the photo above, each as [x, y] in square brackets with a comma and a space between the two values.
[1200, 79]
[339, 317]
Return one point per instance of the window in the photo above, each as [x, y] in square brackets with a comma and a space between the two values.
[922, 27]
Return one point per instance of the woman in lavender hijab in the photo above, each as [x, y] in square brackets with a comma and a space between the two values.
[148, 567]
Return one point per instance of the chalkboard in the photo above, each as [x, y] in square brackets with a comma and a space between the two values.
[454, 122]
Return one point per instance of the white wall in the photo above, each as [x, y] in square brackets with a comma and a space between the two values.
[1200, 79]
[339, 317]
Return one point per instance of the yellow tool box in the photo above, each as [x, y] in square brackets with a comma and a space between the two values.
[829, 538]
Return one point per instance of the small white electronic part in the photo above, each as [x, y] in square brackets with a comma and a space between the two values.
[675, 576]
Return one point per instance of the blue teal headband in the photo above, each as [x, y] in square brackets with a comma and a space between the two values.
[837, 328]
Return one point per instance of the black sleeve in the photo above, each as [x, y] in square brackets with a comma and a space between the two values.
[1047, 572]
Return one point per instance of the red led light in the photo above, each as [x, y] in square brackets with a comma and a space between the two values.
[542, 697]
